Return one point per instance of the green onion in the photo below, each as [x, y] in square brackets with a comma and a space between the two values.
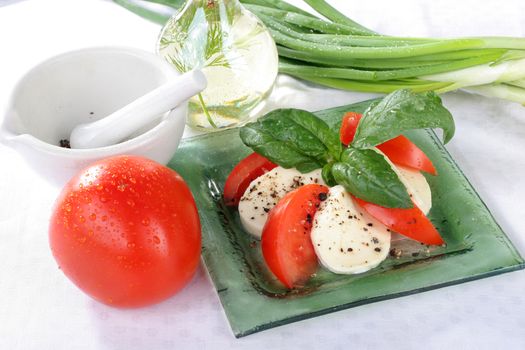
[504, 91]
[335, 16]
[350, 73]
[335, 51]
[305, 21]
[517, 83]
[278, 5]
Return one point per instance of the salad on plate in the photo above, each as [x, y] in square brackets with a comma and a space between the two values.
[337, 197]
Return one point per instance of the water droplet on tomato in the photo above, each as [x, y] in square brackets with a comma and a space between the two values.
[130, 203]
[81, 218]
[104, 217]
[131, 245]
[156, 239]
[145, 222]
[92, 216]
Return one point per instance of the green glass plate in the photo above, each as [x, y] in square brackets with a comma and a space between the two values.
[253, 300]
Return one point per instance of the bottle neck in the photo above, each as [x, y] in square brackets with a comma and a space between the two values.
[216, 10]
[215, 4]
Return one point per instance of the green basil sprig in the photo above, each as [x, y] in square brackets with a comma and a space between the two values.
[367, 175]
[294, 138]
[400, 111]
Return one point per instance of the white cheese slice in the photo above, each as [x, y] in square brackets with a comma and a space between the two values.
[417, 187]
[265, 192]
[346, 239]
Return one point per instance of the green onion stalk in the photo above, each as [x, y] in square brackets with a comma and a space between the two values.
[333, 50]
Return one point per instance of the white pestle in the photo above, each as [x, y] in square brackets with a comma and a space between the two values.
[124, 122]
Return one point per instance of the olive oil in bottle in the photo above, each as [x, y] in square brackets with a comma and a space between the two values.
[234, 50]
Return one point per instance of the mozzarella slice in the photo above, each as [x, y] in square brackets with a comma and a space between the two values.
[346, 239]
[264, 192]
[417, 187]
[415, 183]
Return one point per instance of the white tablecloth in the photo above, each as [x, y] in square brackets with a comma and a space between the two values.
[41, 309]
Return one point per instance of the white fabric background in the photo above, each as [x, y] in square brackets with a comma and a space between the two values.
[41, 309]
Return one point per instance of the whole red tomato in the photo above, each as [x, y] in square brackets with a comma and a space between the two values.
[126, 231]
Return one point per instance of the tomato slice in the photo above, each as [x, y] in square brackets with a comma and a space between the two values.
[399, 150]
[349, 127]
[402, 151]
[410, 222]
[286, 244]
[242, 174]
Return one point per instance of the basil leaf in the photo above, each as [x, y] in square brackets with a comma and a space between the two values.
[316, 126]
[400, 111]
[328, 177]
[367, 175]
[293, 138]
[283, 129]
[278, 152]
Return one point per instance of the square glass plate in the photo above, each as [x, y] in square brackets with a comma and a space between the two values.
[253, 300]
